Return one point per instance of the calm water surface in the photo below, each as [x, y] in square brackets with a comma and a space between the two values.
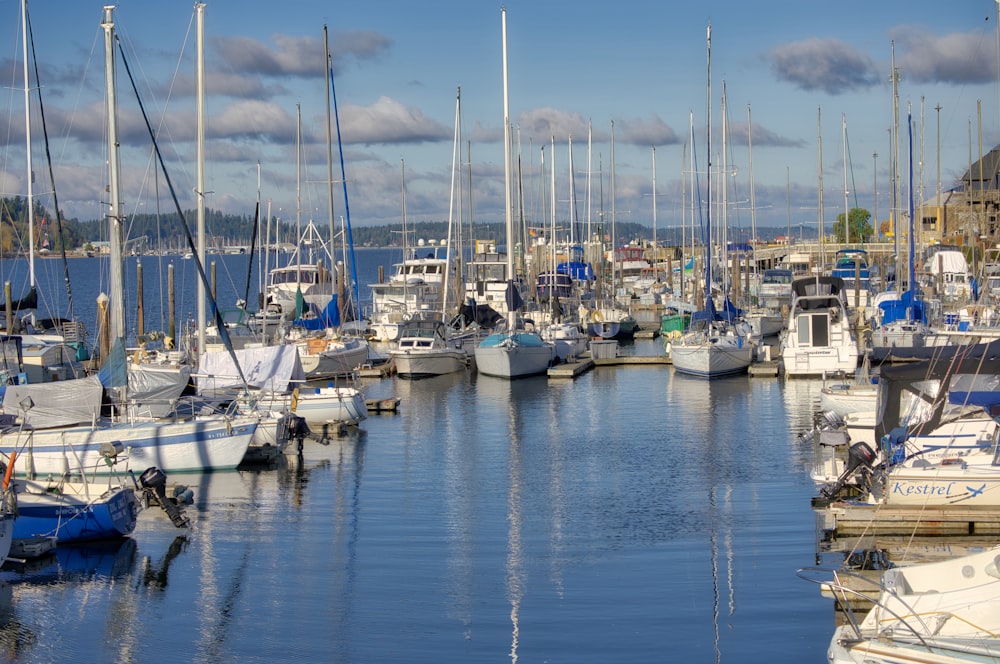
[631, 515]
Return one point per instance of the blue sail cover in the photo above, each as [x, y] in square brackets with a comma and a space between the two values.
[114, 371]
[513, 297]
[577, 270]
[329, 317]
[894, 310]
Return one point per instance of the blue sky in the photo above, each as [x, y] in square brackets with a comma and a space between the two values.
[397, 65]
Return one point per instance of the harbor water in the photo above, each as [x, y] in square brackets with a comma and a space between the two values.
[630, 515]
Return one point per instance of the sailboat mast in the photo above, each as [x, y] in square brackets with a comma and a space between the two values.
[819, 162]
[508, 212]
[753, 203]
[655, 251]
[847, 211]
[456, 156]
[116, 281]
[614, 217]
[200, 167]
[708, 179]
[329, 144]
[552, 217]
[909, 129]
[27, 146]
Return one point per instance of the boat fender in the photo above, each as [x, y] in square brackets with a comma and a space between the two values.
[9, 471]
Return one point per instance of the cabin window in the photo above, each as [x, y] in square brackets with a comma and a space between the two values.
[814, 332]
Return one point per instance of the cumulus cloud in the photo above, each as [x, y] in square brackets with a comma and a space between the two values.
[645, 131]
[762, 136]
[297, 55]
[826, 65]
[956, 58]
[541, 124]
[389, 121]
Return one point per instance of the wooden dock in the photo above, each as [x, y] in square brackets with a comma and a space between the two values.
[849, 519]
[633, 360]
[383, 405]
[766, 369]
[571, 369]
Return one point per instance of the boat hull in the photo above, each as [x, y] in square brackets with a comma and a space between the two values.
[190, 445]
[68, 514]
[418, 363]
[513, 356]
[711, 360]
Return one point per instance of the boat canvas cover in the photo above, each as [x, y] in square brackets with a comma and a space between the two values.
[947, 262]
[56, 404]
[914, 395]
[156, 391]
[272, 368]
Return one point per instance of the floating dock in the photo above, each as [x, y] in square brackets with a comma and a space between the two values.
[847, 519]
[383, 405]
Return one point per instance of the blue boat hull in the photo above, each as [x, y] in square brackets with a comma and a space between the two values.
[71, 520]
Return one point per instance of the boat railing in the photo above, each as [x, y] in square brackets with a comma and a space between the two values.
[843, 592]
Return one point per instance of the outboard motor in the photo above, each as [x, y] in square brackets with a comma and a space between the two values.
[154, 480]
[298, 429]
[859, 455]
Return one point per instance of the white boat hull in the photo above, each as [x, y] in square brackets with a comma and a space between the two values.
[846, 399]
[510, 359]
[190, 445]
[417, 362]
[710, 360]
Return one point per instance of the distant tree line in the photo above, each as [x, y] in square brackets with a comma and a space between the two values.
[166, 231]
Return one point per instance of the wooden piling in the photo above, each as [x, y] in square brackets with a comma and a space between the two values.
[171, 327]
[9, 301]
[140, 319]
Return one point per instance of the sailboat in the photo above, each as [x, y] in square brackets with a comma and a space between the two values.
[511, 353]
[59, 428]
[714, 345]
[427, 347]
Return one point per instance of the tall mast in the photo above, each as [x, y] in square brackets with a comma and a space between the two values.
[200, 168]
[329, 145]
[708, 179]
[508, 212]
[655, 251]
[27, 146]
[753, 202]
[819, 167]
[847, 210]
[116, 282]
[456, 168]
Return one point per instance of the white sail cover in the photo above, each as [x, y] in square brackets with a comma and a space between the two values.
[155, 389]
[272, 368]
[56, 404]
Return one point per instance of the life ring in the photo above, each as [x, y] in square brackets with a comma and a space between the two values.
[10, 470]
[295, 399]
[596, 316]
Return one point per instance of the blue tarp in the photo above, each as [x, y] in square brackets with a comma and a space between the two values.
[577, 270]
[329, 317]
[894, 310]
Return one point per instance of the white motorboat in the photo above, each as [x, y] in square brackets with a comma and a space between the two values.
[818, 340]
[426, 349]
[936, 612]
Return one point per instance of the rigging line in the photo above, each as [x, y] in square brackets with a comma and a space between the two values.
[52, 177]
[854, 188]
[347, 206]
[220, 323]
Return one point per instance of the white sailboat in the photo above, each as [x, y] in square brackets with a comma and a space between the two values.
[60, 429]
[512, 353]
[715, 345]
[427, 347]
